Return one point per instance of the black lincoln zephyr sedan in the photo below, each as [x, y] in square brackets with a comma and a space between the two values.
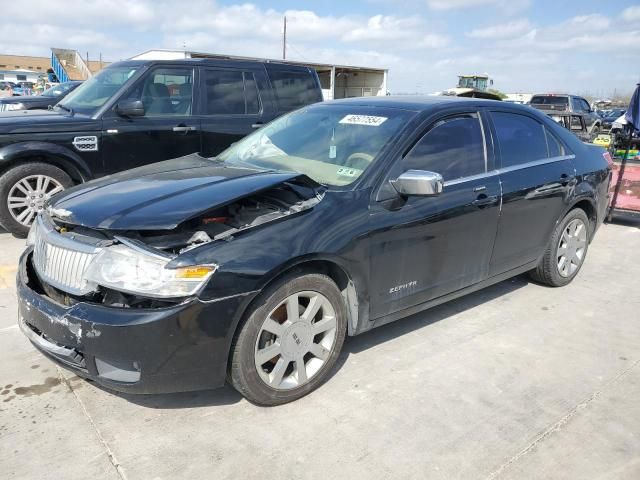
[253, 266]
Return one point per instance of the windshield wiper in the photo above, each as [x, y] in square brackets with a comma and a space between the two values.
[64, 107]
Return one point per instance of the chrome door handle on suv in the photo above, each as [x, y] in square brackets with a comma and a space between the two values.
[184, 128]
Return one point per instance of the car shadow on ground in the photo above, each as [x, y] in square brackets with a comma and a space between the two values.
[205, 398]
[626, 220]
[353, 345]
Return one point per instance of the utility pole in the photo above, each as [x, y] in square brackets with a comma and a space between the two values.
[284, 39]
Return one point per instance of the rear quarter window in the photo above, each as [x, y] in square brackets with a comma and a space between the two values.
[294, 88]
[555, 146]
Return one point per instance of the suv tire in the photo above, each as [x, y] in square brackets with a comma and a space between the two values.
[566, 252]
[284, 350]
[24, 191]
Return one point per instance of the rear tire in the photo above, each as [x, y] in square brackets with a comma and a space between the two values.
[566, 251]
[289, 341]
[24, 190]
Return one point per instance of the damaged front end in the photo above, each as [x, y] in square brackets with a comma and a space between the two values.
[119, 307]
[133, 268]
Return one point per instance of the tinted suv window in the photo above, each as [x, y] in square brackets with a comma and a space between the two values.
[293, 88]
[453, 147]
[251, 93]
[165, 91]
[225, 92]
[521, 138]
[231, 92]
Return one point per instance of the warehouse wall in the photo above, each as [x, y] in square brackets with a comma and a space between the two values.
[359, 84]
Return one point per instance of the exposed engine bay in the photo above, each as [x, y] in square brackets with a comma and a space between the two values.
[224, 222]
[220, 223]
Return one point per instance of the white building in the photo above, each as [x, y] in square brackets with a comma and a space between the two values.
[337, 81]
[19, 75]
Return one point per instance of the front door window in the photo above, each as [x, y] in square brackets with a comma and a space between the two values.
[165, 92]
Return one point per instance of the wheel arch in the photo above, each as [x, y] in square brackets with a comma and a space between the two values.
[61, 157]
[588, 206]
[349, 287]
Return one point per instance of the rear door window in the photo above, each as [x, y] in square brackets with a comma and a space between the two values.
[521, 138]
[230, 92]
[293, 88]
[453, 147]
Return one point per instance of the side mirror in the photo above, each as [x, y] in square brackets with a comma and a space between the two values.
[419, 183]
[130, 108]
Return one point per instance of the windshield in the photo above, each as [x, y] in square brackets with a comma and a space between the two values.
[550, 100]
[332, 144]
[57, 90]
[95, 92]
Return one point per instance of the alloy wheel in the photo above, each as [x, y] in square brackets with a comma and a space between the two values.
[295, 340]
[571, 248]
[29, 195]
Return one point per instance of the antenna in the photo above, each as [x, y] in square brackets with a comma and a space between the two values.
[284, 39]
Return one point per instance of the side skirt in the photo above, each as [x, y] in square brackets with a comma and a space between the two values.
[450, 296]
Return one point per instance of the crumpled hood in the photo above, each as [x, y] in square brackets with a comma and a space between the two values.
[160, 196]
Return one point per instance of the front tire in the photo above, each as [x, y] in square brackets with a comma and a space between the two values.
[566, 251]
[289, 341]
[24, 191]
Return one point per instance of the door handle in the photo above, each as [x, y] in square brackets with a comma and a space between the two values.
[184, 128]
[484, 200]
[257, 125]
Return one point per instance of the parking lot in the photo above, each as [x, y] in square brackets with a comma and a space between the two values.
[515, 381]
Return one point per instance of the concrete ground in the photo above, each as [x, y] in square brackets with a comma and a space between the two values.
[517, 381]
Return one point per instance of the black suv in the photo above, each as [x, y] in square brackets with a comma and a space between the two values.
[551, 103]
[138, 112]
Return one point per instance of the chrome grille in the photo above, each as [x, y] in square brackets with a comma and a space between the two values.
[60, 260]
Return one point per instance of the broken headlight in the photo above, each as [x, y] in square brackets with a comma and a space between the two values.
[133, 271]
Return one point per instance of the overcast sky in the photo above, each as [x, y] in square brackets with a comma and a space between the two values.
[583, 46]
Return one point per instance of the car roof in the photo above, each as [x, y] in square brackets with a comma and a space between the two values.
[205, 61]
[420, 103]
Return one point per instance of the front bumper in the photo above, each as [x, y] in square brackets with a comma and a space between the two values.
[135, 350]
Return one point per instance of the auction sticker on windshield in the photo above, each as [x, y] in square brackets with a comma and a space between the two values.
[369, 120]
[349, 172]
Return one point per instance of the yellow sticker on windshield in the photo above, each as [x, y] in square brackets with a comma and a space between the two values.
[369, 120]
